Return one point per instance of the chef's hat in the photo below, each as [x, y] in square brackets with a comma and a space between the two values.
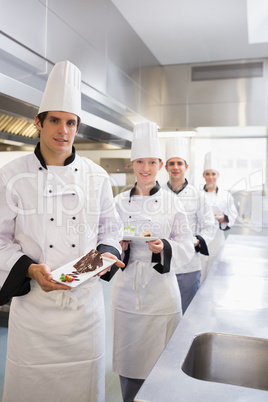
[63, 89]
[145, 143]
[211, 162]
[177, 148]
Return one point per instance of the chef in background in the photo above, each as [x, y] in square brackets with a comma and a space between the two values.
[223, 207]
[145, 298]
[54, 208]
[199, 214]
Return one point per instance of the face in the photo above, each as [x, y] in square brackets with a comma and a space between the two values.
[146, 169]
[211, 177]
[176, 168]
[57, 134]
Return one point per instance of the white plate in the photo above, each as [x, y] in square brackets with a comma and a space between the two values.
[69, 268]
[141, 239]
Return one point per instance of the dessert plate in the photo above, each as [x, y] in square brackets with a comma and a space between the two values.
[139, 239]
[68, 269]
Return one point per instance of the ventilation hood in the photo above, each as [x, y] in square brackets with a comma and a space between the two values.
[103, 123]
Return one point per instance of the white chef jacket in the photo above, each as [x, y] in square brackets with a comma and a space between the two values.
[200, 218]
[146, 305]
[52, 215]
[221, 201]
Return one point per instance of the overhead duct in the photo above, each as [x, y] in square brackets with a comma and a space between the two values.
[100, 123]
[227, 71]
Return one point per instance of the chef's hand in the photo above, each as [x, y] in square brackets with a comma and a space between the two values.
[43, 276]
[124, 244]
[156, 246]
[197, 242]
[220, 218]
[116, 261]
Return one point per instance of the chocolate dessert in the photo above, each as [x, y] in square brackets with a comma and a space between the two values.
[89, 262]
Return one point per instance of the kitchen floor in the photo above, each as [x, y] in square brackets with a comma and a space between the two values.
[112, 389]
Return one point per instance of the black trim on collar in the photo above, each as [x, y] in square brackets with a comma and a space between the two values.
[182, 187]
[39, 156]
[153, 190]
[205, 189]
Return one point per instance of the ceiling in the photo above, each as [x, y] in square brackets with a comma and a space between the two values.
[199, 31]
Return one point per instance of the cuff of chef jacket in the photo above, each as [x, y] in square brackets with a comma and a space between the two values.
[17, 283]
[224, 226]
[202, 246]
[104, 248]
[167, 253]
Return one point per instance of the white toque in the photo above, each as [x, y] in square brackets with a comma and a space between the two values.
[63, 89]
[177, 147]
[211, 162]
[145, 143]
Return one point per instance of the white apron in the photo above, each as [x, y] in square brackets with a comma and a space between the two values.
[69, 346]
[146, 309]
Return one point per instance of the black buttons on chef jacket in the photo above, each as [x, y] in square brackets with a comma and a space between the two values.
[51, 246]
[73, 245]
[73, 217]
[40, 168]
[76, 170]
[52, 219]
[50, 191]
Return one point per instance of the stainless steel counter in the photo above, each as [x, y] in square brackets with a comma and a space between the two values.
[233, 299]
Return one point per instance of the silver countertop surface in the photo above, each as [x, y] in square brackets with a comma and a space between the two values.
[233, 299]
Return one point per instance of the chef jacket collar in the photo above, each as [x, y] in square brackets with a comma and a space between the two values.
[39, 156]
[205, 188]
[152, 191]
[182, 187]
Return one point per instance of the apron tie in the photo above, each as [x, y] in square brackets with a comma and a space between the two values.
[140, 278]
[65, 299]
[68, 298]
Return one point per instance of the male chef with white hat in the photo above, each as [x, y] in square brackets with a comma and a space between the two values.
[199, 214]
[223, 206]
[54, 208]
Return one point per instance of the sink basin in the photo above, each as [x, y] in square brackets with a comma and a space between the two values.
[229, 359]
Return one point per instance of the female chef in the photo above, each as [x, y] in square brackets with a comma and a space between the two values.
[54, 208]
[224, 209]
[145, 298]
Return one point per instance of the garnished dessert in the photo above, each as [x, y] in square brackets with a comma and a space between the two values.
[146, 233]
[90, 262]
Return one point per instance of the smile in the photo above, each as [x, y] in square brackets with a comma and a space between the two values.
[60, 140]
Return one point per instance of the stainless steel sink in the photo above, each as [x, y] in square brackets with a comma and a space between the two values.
[228, 359]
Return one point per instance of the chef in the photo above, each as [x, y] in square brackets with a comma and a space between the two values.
[224, 209]
[199, 214]
[145, 299]
[55, 207]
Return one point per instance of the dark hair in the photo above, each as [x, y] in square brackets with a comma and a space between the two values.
[174, 157]
[42, 116]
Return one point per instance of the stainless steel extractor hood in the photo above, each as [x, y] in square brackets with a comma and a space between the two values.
[102, 127]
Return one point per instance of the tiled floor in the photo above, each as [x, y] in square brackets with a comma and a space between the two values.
[113, 393]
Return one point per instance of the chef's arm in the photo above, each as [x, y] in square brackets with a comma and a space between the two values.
[166, 254]
[17, 283]
[104, 248]
[202, 246]
[223, 222]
